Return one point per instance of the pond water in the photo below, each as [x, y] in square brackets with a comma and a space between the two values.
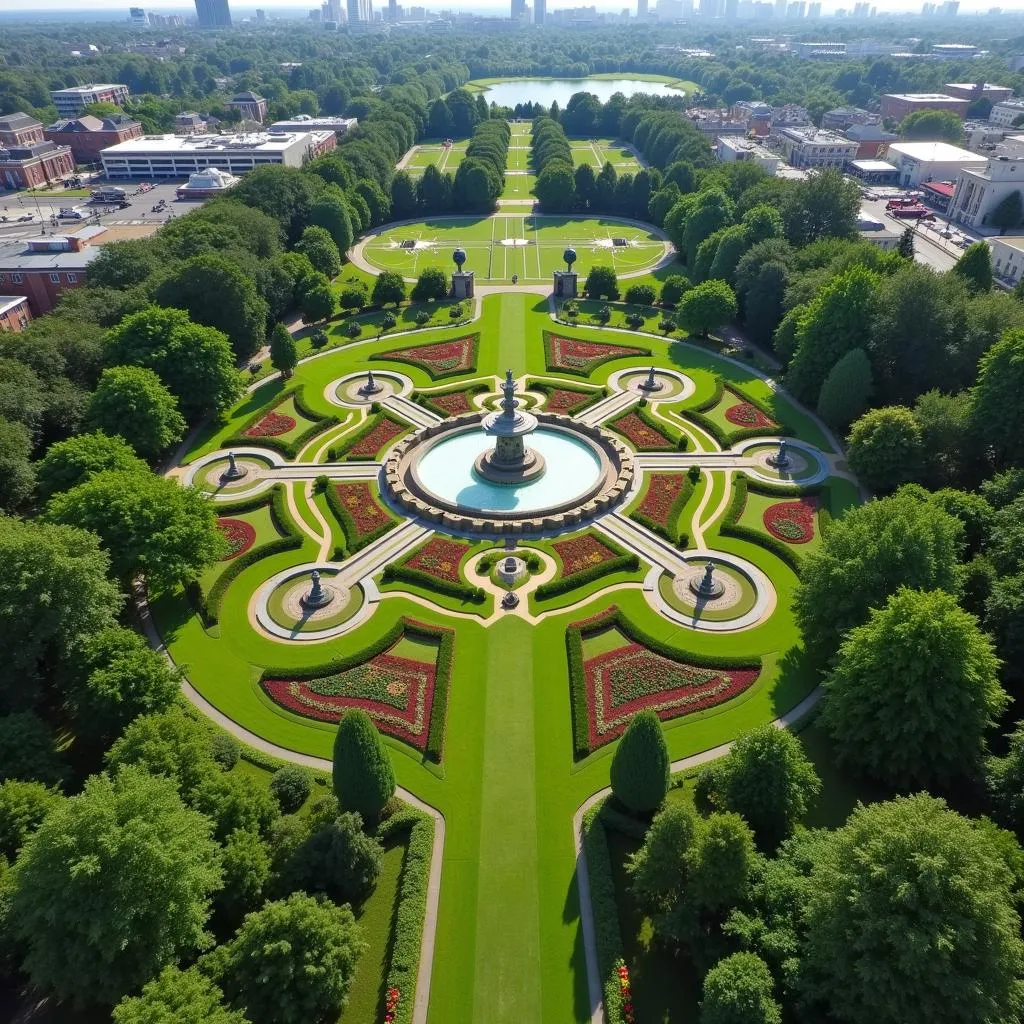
[547, 90]
[447, 470]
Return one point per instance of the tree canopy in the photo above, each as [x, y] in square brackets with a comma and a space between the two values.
[364, 780]
[640, 765]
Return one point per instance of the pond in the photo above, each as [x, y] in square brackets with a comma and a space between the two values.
[547, 90]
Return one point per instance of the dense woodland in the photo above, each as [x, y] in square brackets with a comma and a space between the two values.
[118, 820]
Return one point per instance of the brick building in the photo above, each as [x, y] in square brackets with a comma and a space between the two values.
[14, 313]
[87, 135]
[40, 269]
[897, 105]
[26, 158]
[250, 106]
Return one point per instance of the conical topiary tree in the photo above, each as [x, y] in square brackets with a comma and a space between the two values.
[364, 780]
[640, 765]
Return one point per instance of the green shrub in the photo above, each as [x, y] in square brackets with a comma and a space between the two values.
[462, 591]
[640, 766]
[634, 320]
[291, 786]
[693, 473]
[224, 749]
[640, 295]
[422, 317]
[387, 321]
[318, 338]
[352, 329]
[455, 312]
[364, 780]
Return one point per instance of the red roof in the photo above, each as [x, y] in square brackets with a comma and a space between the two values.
[942, 188]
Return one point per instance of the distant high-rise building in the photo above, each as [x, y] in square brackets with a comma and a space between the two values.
[137, 16]
[539, 8]
[332, 11]
[948, 9]
[261, 15]
[641, 8]
[710, 8]
[393, 14]
[814, 9]
[518, 9]
[213, 13]
[360, 11]
[731, 9]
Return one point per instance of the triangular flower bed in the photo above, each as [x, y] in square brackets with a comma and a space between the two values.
[573, 355]
[440, 359]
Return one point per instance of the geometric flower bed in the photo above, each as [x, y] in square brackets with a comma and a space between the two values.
[384, 431]
[356, 508]
[659, 500]
[440, 558]
[239, 534]
[441, 359]
[745, 414]
[564, 401]
[608, 689]
[581, 553]
[571, 355]
[271, 425]
[642, 436]
[792, 521]
[405, 698]
[456, 403]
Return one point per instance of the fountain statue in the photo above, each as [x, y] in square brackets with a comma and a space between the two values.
[707, 588]
[510, 600]
[318, 596]
[234, 471]
[372, 386]
[510, 565]
[652, 383]
[781, 459]
[509, 461]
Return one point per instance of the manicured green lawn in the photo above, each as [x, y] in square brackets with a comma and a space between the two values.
[509, 947]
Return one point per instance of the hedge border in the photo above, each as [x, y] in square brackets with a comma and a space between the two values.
[604, 909]
[405, 574]
[642, 414]
[425, 366]
[423, 399]
[411, 911]
[289, 449]
[594, 363]
[674, 512]
[613, 616]
[624, 561]
[545, 388]
[209, 603]
[348, 524]
[339, 452]
[730, 438]
[434, 748]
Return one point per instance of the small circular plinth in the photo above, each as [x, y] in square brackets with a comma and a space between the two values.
[217, 477]
[318, 600]
[354, 390]
[293, 607]
[704, 590]
[780, 461]
[795, 464]
[511, 569]
[510, 600]
[230, 475]
[726, 587]
[649, 385]
[500, 424]
[529, 468]
[370, 389]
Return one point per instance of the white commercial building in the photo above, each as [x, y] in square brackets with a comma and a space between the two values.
[1007, 112]
[813, 147]
[71, 102]
[930, 161]
[178, 156]
[979, 191]
[732, 149]
[305, 123]
[1007, 257]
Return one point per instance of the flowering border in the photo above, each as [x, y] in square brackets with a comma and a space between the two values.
[643, 433]
[360, 495]
[587, 736]
[558, 360]
[379, 432]
[802, 513]
[656, 512]
[271, 424]
[431, 357]
[236, 532]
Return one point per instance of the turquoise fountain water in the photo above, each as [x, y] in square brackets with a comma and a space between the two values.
[447, 471]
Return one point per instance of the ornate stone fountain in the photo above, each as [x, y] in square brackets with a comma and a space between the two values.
[509, 461]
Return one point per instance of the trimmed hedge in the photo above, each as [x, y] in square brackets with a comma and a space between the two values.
[671, 533]
[289, 449]
[730, 522]
[593, 396]
[407, 932]
[624, 561]
[403, 627]
[594, 363]
[728, 438]
[462, 591]
[671, 443]
[209, 604]
[341, 450]
[427, 367]
[614, 617]
[420, 398]
[605, 910]
[349, 528]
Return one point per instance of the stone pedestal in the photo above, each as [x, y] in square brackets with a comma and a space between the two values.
[565, 284]
[462, 284]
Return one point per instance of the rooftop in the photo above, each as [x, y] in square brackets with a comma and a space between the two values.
[78, 90]
[923, 97]
[873, 166]
[942, 188]
[9, 302]
[1015, 242]
[17, 122]
[936, 152]
[268, 141]
[819, 136]
[18, 254]
[88, 123]
[985, 86]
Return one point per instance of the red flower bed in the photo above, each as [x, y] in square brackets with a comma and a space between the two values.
[626, 991]
[455, 404]
[397, 693]
[581, 553]
[640, 435]
[239, 534]
[272, 425]
[582, 356]
[662, 491]
[791, 521]
[358, 500]
[745, 414]
[385, 430]
[565, 401]
[634, 678]
[444, 357]
[439, 558]
[390, 1005]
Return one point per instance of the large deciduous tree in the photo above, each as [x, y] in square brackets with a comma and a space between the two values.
[640, 765]
[388, 288]
[845, 391]
[910, 918]
[320, 249]
[997, 410]
[284, 353]
[738, 990]
[885, 448]
[127, 870]
[602, 283]
[147, 524]
[177, 997]
[17, 476]
[913, 691]
[707, 307]
[364, 780]
[71, 462]
[975, 267]
[431, 284]
[133, 402]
